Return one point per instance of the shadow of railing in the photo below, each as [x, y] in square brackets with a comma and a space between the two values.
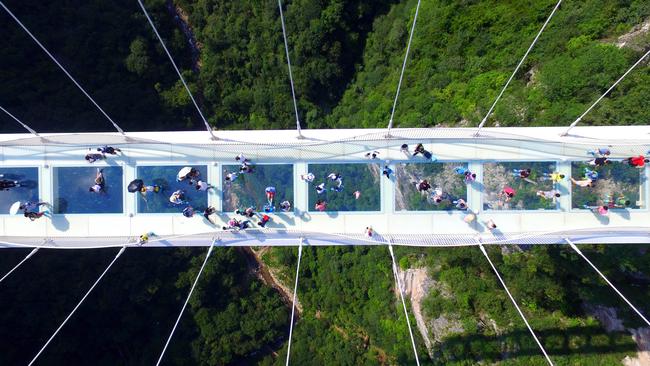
[519, 343]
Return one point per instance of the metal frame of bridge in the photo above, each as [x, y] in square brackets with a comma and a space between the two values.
[417, 228]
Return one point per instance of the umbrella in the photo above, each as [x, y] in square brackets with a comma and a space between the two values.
[135, 186]
[14, 208]
[184, 172]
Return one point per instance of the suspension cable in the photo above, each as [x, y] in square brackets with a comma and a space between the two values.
[401, 75]
[517, 68]
[293, 303]
[62, 68]
[78, 305]
[21, 262]
[19, 121]
[196, 280]
[286, 49]
[605, 94]
[207, 125]
[574, 247]
[515, 304]
[401, 294]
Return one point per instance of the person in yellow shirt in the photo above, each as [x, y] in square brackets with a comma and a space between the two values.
[554, 177]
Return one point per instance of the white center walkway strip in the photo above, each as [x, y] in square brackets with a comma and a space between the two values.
[79, 304]
[401, 294]
[574, 247]
[196, 280]
[293, 303]
[515, 304]
[21, 262]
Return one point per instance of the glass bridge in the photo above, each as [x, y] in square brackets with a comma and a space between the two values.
[356, 189]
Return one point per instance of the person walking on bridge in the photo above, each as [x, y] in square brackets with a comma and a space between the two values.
[583, 183]
[100, 182]
[109, 150]
[177, 197]
[93, 157]
[638, 161]
[6, 184]
[554, 177]
[309, 177]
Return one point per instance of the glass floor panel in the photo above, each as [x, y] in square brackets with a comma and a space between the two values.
[439, 175]
[497, 176]
[617, 181]
[165, 178]
[248, 190]
[71, 195]
[28, 191]
[363, 178]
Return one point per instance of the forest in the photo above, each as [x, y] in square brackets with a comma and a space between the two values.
[346, 58]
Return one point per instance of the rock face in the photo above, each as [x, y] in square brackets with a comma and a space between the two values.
[634, 39]
[642, 338]
[416, 286]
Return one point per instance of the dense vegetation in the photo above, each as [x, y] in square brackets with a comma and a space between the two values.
[346, 58]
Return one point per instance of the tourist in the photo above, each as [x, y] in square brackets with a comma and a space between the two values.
[146, 189]
[285, 206]
[232, 224]
[583, 183]
[591, 174]
[33, 215]
[320, 188]
[203, 186]
[405, 150]
[601, 210]
[177, 197]
[231, 177]
[387, 171]
[6, 184]
[91, 157]
[144, 238]
[246, 168]
[241, 158]
[460, 204]
[372, 155]
[437, 195]
[507, 193]
[209, 211]
[469, 177]
[521, 173]
[461, 170]
[309, 177]
[554, 177]
[599, 152]
[265, 219]
[268, 208]
[249, 212]
[193, 176]
[599, 161]
[369, 231]
[357, 194]
[270, 194]
[548, 195]
[109, 150]
[637, 161]
[98, 187]
[490, 224]
[422, 186]
[188, 211]
[244, 224]
[419, 149]
[184, 173]
[321, 205]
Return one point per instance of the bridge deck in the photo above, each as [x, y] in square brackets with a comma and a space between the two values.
[326, 146]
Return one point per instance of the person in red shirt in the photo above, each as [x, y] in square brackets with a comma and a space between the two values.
[638, 161]
[508, 193]
[321, 205]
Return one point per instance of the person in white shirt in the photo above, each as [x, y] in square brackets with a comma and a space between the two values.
[203, 186]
